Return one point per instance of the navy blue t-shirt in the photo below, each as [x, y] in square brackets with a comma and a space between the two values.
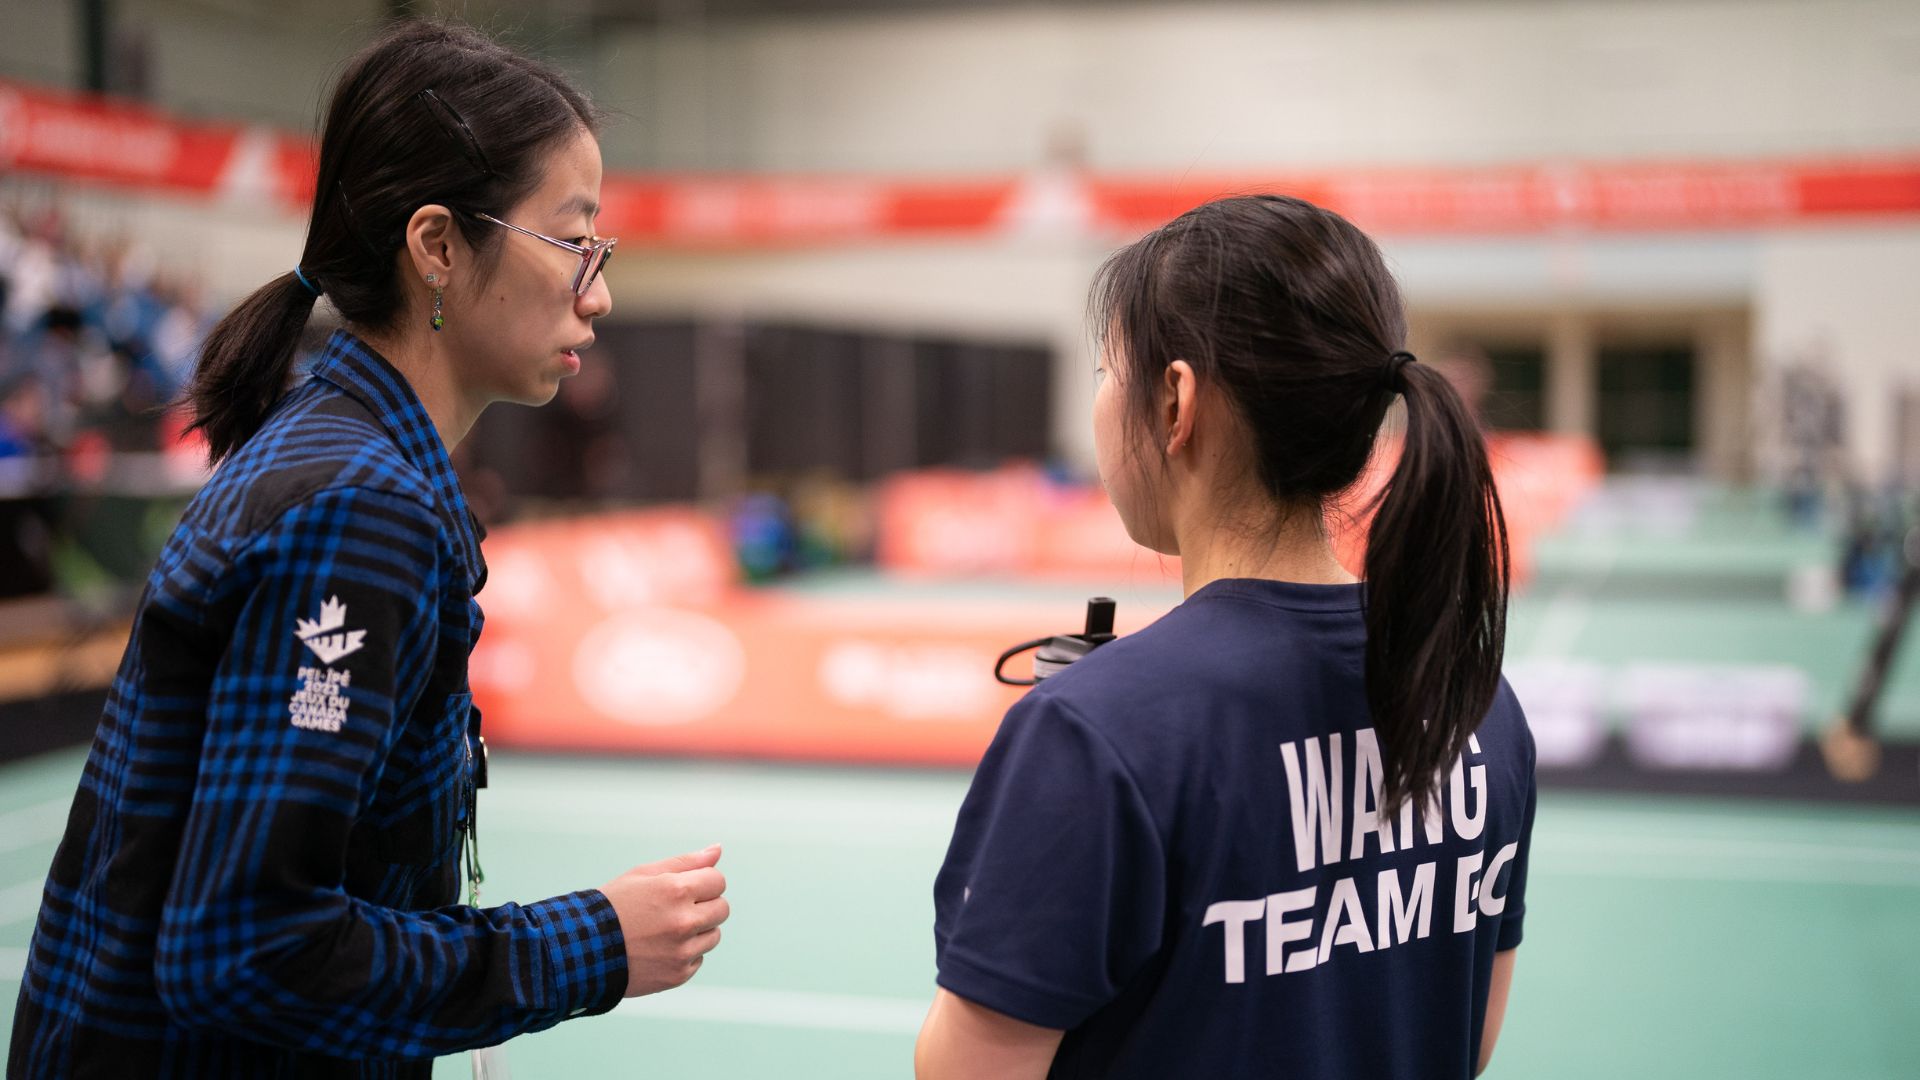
[1171, 851]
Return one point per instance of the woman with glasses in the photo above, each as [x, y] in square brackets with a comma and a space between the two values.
[261, 872]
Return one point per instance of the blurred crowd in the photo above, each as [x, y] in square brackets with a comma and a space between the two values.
[96, 338]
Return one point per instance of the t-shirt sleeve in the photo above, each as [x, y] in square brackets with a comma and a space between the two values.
[1512, 919]
[1054, 888]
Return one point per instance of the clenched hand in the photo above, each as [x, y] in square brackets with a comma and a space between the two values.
[670, 914]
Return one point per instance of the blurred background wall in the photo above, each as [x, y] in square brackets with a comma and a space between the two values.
[1578, 322]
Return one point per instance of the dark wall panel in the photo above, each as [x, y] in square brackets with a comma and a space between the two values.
[804, 400]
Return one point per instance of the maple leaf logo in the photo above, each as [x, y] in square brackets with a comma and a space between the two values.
[326, 636]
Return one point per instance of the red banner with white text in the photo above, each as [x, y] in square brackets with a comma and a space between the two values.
[94, 139]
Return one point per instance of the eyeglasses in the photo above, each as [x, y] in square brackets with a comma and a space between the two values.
[593, 257]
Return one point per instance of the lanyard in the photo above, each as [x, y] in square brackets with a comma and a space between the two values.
[488, 1063]
[470, 844]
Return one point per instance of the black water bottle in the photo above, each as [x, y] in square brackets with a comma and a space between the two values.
[1059, 650]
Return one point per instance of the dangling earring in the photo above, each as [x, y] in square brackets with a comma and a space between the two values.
[438, 319]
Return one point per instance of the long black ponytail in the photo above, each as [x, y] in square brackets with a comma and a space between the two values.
[1437, 573]
[1291, 311]
[429, 112]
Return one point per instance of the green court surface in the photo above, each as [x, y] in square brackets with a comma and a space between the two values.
[1712, 586]
[1665, 938]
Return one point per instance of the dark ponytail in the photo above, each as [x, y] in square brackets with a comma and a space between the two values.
[1437, 573]
[1291, 312]
[428, 113]
[245, 363]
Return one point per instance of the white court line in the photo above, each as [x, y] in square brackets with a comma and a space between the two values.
[22, 901]
[573, 802]
[1702, 847]
[13, 964]
[842, 823]
[1624, 820]
[1757, 875]
[781, 1008]
[32, 825]
[722, 829]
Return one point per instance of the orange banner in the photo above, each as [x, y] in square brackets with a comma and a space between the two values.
[103, 140]
[1543, 197]
[1488, 200]
[547, 570]
[765, 675]
[751, 211]
[628, 633]
[1008, 522]
[92, 138]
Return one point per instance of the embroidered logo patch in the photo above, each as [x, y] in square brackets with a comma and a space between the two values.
[326, 636]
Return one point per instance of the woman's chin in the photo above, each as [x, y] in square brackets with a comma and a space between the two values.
[534, 393]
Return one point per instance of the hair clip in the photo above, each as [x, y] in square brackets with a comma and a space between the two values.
[444, 112]
[353, 221]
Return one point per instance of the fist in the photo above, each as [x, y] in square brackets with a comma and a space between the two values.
[670, 914]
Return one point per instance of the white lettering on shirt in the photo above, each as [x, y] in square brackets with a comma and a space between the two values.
[1316, 803]
[1295, 938]
[320, 704]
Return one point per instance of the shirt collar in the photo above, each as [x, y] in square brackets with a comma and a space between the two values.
[353, 366]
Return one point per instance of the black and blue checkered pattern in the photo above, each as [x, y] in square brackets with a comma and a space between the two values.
[259, 873]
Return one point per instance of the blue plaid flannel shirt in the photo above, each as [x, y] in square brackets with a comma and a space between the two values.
[260, 871]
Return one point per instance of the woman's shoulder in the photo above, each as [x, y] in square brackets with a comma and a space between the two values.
[1212, 669]
[317, 443]
[1212, 639]
[1172, 662]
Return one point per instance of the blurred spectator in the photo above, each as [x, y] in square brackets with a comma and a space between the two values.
[765, 539]
[834, 520]
[22, 433]
[1813, 427]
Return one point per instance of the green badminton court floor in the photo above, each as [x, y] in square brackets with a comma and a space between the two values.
[1665, 938]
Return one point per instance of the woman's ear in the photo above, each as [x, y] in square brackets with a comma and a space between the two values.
[434, 244]
[1178, 393]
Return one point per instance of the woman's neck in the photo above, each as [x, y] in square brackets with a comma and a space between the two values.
[1277, 546]
[430, 372]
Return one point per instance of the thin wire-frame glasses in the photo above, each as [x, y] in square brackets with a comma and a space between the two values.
[593, 257]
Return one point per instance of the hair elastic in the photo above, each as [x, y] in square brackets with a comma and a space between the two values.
[1396, 369]
[310, 286]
